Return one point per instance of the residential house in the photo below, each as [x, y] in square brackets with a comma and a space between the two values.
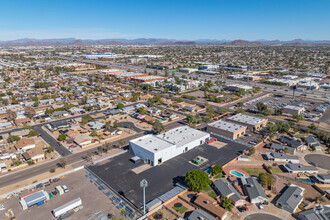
[291, 142]
[95, 125]
[281, 148]
[57, 125]
[199, 214]
[60, 114]
[210, 205]
[313, 142]
[82, 140]
[25, 144]
[322, 178]
[5, 125]
[281, 157]
[291, 198]
[316, 213]
[299, 168]
[254, 190]
[224, 188]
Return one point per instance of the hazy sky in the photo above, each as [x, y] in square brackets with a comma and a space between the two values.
[177, 19]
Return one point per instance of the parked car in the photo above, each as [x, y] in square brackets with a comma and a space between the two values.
[260, 206]
[65, 188]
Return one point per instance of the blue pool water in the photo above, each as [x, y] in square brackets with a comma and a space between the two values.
[236, 173]
[307, 180]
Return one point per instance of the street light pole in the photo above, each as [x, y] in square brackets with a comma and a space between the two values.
[144, 184]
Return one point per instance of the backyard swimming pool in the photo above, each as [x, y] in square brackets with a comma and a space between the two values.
[307, 180]
[236, 173]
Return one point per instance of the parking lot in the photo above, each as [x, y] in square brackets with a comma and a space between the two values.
[93, 200]
[314, 109]
[252, 138]
[117, 171]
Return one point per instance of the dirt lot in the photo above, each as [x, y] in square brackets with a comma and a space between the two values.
[93, 200]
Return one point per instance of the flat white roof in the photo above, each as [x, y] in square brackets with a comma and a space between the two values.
[152, 143]
[293, 107]
[182, 135]
[227, 126]
[246, 119]
[175, 137]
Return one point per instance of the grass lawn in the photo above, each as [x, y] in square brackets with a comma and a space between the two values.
[209, 191]
[218, 176]
[212, 194]
[208, 188]
[300, 135]
[253, 171]
[276, 170]
[181, 209]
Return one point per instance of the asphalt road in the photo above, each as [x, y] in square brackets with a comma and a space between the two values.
[261, 216]
[318, 160]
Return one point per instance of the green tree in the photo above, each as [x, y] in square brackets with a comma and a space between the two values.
[115, 124]
[94, 133]
[13, 138]
[268, 111]
[197, 180]
[100, 150]
[63, 162]
[313, 127]
[226, 203]
[261, 107]
[108, 124]
[33, 133]
[62, 137]
[298, 117]
[86, 118]
[251, 150]
[120, 105]
[278, 111]
[190, 119]
[216, 170]
[157, 127]
[266, 179]
[141, 110]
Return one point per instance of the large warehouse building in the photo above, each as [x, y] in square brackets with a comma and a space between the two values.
[227, 129]
[156, 149]
[253, 123]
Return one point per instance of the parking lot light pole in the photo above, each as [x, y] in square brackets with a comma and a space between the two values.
[144, 184]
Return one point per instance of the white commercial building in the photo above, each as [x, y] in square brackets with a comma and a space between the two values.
[156, 149]
[96, 56]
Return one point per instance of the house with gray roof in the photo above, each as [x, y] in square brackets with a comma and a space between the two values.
[322, 178]
[299, 168]
[282, 157]
[254, 190]
[280, 147]
[313, 142]
[199, 214]
[95, 125]
[316, 213]
[291, 198]
[224, 188]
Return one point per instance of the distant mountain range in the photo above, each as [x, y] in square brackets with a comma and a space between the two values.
[157, 41]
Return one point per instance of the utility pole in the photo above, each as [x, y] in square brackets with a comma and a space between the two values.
[144, 185]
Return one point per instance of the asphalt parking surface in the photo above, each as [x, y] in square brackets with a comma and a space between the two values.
[117, 171]
[319, 160]
[129, 125]
[261, 216]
